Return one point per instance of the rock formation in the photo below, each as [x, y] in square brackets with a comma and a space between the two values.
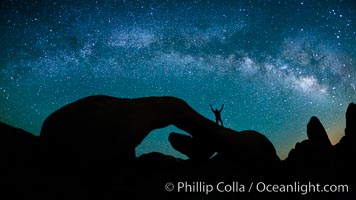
[315, 152]
[190, 146]
[18, 162]
[346, 149]
[316, 132]
[350, 129]
[17, 147]
[104, 127]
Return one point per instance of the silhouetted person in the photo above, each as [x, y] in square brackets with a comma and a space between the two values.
[217, 114]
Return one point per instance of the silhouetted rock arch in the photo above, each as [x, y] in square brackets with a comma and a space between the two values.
[104, 127]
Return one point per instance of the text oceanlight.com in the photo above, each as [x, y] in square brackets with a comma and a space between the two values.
[235, 186]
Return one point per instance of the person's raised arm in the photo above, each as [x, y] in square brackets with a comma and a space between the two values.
[211, 107]
[221, 108]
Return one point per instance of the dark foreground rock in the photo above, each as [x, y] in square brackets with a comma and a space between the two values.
[86, 151]
[16, 147]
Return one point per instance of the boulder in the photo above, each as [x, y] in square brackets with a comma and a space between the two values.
[313, 153]
[346, 148]
[316, 132]
[350, 129]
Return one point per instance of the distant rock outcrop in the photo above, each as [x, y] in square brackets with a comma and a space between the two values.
[104, 127]
[350, 129]
[315, 152]
[316, 132]
[346, 149]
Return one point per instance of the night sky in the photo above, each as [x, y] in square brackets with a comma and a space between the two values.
[274, 64]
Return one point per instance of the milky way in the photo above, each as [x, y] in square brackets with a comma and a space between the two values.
[274, 64]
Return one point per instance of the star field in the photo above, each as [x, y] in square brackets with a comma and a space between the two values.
[274, 64]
